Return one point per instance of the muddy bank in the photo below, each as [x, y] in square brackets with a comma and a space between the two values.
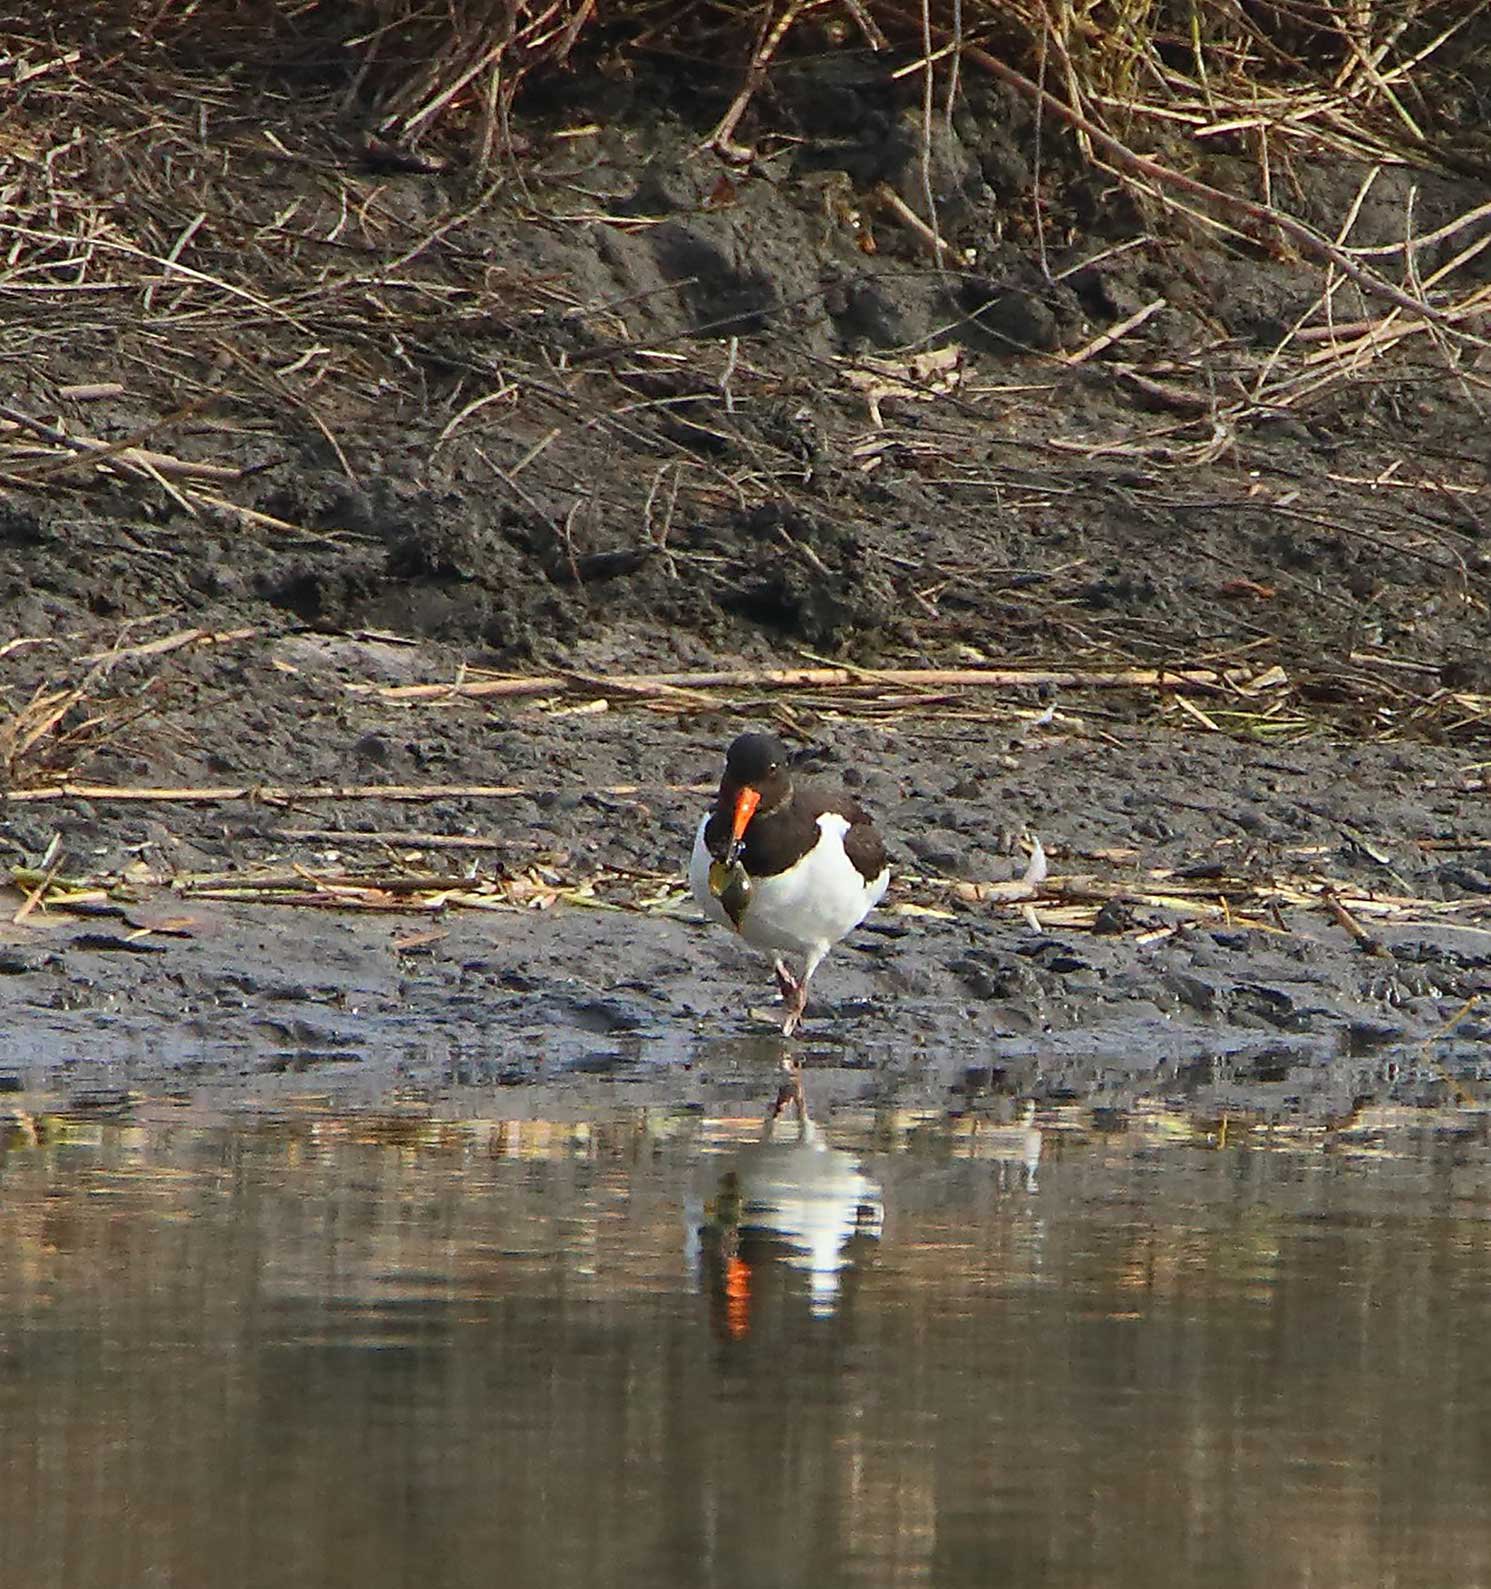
[941, 1001]
[623, 411]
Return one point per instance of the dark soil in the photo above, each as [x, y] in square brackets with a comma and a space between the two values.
[634, 441]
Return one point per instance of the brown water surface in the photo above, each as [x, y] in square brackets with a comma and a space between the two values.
[653, 1349]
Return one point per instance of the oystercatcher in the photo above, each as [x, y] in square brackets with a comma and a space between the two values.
[792, 867]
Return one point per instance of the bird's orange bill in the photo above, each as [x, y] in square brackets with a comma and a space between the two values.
[745, 808]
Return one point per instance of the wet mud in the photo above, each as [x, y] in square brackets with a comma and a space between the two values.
[951, 1006]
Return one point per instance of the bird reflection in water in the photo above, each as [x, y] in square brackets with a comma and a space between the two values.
[788, 1199]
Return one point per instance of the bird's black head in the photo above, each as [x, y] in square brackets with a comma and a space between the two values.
[756, 782]
[756, 759]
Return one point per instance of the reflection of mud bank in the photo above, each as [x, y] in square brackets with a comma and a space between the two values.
[398, 1349]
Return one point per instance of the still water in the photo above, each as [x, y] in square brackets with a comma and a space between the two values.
[656, 1349]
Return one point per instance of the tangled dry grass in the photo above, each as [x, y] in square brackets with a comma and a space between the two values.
[122, 174]
[166, 214]
[121, 162]
[1367, 77]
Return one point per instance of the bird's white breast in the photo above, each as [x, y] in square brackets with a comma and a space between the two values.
[810, 906]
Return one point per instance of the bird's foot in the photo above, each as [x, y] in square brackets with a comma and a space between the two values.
[787, 984]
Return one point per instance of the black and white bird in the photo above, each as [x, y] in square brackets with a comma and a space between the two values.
[792, 866]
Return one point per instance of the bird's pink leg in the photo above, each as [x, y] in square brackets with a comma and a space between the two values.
[796, 1004]
[794, 991]
[795, 988]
